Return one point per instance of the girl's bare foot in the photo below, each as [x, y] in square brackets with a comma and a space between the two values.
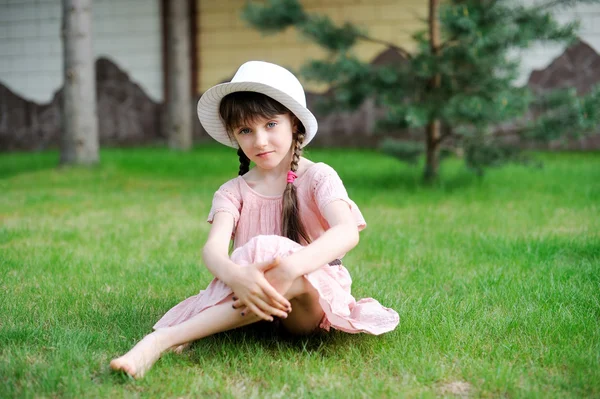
[179, 349]
[141, 357]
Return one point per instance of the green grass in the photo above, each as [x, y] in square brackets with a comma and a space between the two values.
[497, 281]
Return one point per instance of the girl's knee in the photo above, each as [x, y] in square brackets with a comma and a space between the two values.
[264, 248]
[301, 287]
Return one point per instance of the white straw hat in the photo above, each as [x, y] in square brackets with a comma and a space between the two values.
[261, 77]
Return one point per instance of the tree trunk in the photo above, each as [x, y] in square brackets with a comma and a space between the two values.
[432, 152]
[79, 143]
[432, 160]
[179, 99]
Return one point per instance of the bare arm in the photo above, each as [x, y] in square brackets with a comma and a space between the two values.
[215, 252]
[248, 282]
[340, 238]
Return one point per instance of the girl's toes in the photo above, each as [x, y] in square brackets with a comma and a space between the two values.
[120, 365]
[181, 348]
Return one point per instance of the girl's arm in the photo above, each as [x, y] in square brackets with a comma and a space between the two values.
[215, 251]
[340, 238]
[248, 283]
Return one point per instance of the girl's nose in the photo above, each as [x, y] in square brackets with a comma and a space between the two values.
[260, 138]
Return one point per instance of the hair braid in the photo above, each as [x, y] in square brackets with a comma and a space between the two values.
[291, 224]
[297, 152]
[244, 162]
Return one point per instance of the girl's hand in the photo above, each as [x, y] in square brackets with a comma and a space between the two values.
[253, 290]
[280, 278]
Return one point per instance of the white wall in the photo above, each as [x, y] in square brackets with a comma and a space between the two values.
[126, 31]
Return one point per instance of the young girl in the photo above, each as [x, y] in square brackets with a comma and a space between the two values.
[290, 219]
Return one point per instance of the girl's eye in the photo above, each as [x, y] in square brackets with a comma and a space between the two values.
[244, 131]
[271, 124]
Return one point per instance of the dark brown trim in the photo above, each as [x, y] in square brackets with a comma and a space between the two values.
[164, 9]
[194, 47]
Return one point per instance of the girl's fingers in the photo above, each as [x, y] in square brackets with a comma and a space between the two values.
[265, 307]
[268, 300]
[268, 265]
[278, 304]
[258, 312]
[265, 301]
[275, 296]
[237, 304]
[266, 295]
[269, 295]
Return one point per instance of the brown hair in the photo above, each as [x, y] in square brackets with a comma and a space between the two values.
[245, 107]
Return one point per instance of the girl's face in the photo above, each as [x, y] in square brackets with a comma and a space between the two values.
[266, 141]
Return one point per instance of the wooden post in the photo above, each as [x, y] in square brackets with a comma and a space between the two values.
[179, 100]
[79, 144]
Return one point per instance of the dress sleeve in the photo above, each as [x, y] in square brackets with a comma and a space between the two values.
[328, 187]
[227, 199]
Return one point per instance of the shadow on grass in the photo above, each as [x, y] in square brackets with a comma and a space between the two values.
[407, 182]
[373, 171]
[115, 377]
[15, 164]
[273, 338]
[230, 347]
[262, 337]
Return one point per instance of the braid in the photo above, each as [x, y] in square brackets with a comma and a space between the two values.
[297, 152]
[291, 225]
[244, 162]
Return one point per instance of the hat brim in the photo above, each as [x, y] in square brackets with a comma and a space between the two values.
[208, 109]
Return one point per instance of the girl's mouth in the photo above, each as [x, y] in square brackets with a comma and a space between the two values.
[264, 154]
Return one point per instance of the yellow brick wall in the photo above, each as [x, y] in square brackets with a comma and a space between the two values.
[225, 41]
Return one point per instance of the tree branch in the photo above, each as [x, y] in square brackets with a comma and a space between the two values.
[450, 42]
[512, 131]
[447, 132]
[402, 51]
[546, 6]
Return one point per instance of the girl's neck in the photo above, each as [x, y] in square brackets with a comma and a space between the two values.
[272, 183]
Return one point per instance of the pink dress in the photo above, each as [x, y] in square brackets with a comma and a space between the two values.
[257, 237]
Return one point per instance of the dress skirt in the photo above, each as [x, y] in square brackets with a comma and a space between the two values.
[342, 311]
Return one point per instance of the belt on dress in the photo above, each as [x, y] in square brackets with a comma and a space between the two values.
[335, 262]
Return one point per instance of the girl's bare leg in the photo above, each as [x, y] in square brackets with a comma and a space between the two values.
[305, 316]
[216, 319]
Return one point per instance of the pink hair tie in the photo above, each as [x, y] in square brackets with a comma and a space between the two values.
[291, 176]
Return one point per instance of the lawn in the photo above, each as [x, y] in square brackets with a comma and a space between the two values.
[496, 280]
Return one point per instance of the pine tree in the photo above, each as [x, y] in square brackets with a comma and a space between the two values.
[459, 83]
